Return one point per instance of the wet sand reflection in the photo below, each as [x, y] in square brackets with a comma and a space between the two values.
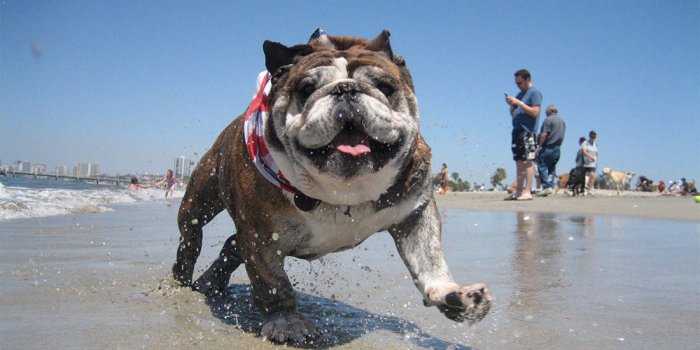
[560, 281]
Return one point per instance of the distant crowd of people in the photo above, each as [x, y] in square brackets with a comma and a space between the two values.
[678, 187]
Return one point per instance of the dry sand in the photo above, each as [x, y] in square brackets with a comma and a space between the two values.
[100, 281]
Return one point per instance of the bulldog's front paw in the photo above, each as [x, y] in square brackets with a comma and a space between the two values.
[470, 303]
[287, 327]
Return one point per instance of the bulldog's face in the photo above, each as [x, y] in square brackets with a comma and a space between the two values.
[343, 118]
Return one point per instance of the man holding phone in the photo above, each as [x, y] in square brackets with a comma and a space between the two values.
[524, 110]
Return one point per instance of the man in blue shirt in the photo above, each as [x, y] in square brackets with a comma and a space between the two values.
[524, 109]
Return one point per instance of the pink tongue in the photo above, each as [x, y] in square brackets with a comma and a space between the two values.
[354, 145]
[353, 150]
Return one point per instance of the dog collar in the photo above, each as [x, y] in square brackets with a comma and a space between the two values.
[254, 138]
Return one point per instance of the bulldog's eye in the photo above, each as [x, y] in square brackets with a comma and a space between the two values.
[305, 90]
[386, 89]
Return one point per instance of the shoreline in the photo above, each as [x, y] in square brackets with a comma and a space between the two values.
[604, 202]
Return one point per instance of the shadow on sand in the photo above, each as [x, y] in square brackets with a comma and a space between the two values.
[338, 323]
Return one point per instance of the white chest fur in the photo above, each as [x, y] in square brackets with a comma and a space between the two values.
[330, 229]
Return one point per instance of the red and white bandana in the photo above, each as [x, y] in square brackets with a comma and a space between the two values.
[254, 135]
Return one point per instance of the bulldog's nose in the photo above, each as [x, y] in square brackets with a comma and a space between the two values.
[345, 89]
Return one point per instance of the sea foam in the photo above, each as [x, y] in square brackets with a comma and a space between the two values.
[41, 200]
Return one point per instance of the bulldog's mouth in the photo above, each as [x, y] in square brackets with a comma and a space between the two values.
[350, 150]
[351, 141]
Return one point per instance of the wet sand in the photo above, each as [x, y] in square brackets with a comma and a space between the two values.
[595, 273]
[604, 202]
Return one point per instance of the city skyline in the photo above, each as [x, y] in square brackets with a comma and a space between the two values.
[90, 169]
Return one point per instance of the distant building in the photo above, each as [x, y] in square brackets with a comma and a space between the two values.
[86, 170]
[183, 167]
[62, 170]
[21, 166]
[39, 169]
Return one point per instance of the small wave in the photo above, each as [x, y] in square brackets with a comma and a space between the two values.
[24, 202]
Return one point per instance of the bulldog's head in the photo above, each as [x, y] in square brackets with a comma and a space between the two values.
[343, 116]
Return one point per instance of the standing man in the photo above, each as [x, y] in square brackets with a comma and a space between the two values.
[548, 148]
[590, 159]
[524, 109]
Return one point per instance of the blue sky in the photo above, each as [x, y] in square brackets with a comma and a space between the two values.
[132, 85]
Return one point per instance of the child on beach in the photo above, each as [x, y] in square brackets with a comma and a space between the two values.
[170, 182]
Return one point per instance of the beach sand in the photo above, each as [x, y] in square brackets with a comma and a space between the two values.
[604, 202]
[565, 273]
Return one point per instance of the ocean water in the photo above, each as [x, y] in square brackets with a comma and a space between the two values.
[34, 198]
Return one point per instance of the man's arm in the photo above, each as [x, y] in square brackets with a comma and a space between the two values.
[532, 111]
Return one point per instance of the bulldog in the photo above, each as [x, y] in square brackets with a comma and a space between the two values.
[327, 154]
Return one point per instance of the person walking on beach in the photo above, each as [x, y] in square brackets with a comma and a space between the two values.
[548, 148]
[524, 111]
[590, 159]
[444, 179]
[170, 182]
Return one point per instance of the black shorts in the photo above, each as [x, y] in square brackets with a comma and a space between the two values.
[523, 145]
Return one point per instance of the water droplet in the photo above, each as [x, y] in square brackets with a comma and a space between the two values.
[275, 236]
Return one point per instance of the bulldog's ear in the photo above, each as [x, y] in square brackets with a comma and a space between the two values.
[381, 44]
[278, 55]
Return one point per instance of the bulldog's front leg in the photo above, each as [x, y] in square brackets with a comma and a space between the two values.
[418, 241]
[275, 298]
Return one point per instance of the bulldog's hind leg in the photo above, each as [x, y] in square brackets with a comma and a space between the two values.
[199, 206]
[418, 242]
[215, 280]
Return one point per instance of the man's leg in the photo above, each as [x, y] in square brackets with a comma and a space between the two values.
[591, 181]
[543, 169]
[526, 174]
[552, 165]
[520, 173]
[529, 177]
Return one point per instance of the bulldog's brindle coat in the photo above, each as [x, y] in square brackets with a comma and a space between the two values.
[343, 129]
